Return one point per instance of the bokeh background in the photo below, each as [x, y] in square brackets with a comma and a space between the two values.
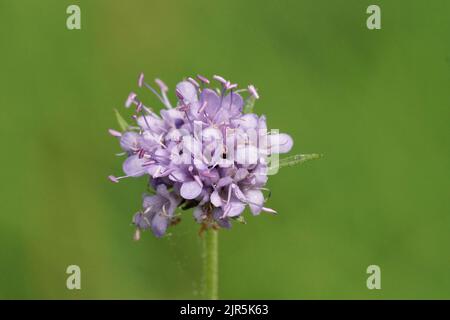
[375, 103]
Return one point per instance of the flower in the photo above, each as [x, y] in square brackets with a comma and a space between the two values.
[158, 211]
[209, 152]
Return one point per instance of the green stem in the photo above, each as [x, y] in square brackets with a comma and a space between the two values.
[211, 264]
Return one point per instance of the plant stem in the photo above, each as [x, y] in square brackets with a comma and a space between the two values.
[211, 264]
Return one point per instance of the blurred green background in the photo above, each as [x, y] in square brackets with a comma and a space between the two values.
[376, 103]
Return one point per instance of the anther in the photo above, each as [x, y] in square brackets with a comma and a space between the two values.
[202, 79]
[131, 99]
[195, 83]
[220, 79]
[114, 133]
[141, 80]
[161, 85]
[253, 92]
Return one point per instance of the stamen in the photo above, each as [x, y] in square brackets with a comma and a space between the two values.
[220, 79]
[156, 94]
[230, 86]
[195, 83]
[139, 107]
[137, 235]
[146, 220]
[116, 179]
[205, 103]
[164, 211]
[147, 210]
[253, 92]
[146, 164]
[158, 170]
[131, 99]
[141, 80]
[113, 179]
[179, 95]
[229, 193]
[161, 85]
[269, 210]
[239, 193]
[114, 133]
[175, 178]
[165, 173]
[202, 79]
[199, 181]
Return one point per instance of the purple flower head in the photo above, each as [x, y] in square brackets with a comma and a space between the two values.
[206, 152]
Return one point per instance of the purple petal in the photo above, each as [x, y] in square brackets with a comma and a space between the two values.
[238, 193]
[280, 143]
[240, 174]
[223, 222]
[133, 166]
[256, 200]
[162, 191]
[153, 203]
[262, 125]
[180, 175]
[190, 190]
[129, 141]
[233, 102]
[234, 208]
[213, 101]
[172, 116]
[141, 221]
[247, 121]
[159, 224]
[246, 155]
[216, 200]
[188, 91]
[224, 182]
[152, 123]
[199, 215]
[192, 146]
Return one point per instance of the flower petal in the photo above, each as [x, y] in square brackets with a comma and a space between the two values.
[153, 203]
[212, 101]
[199, 214]
[224, 182]
[151, 123]
[233, 102]
[159, 224]
[188, 91]
[141, 221]
[280, 143]
[222, 221]
[246, 155]
[234, 208]
[216, 200]
[255, 200]
[190, 190]
[247, 121]
[192, 146]
[180, 175]
[129, 141]
[133, 166]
